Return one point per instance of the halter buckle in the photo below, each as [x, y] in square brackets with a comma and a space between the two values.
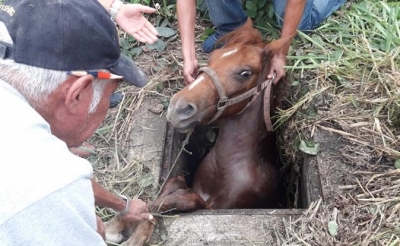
[222, 103]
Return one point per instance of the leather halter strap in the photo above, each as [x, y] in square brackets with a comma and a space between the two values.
[224, 101]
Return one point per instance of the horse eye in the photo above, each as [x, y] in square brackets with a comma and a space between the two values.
[245, 74]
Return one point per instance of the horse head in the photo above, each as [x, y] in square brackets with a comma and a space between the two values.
[232, 71]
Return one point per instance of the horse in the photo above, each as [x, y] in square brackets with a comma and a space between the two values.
[240, 170]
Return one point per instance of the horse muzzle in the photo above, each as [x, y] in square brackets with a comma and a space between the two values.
[182, 116]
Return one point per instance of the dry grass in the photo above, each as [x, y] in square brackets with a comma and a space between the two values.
[347, 78]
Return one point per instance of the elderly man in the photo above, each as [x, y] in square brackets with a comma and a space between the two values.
[59, 63]
[228, 15]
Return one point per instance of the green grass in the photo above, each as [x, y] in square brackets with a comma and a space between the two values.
[357, 53]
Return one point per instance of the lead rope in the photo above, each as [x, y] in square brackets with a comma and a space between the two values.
[267, 106]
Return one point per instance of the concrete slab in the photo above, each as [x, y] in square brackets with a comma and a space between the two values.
[148, 137]
[223, 227]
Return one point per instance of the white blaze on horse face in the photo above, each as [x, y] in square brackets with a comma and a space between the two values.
[228, 53]
[196, 82]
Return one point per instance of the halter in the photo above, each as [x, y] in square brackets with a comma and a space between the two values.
[224, 101]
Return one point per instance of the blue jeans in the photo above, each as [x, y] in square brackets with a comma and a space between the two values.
[227, 15]
[315, 12]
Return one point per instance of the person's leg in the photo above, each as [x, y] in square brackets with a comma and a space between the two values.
[226, 15]
[315, 12]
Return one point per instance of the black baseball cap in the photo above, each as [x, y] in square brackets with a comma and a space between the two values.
[65, 35]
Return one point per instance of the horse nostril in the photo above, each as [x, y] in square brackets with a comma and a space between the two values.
[189, 110]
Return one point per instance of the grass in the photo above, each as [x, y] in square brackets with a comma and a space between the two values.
[352, 63]
[345, 80]
[354, 60]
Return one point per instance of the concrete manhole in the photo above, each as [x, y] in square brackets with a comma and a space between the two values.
[211, 227]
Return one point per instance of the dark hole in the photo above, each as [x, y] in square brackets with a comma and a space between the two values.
[201, 142]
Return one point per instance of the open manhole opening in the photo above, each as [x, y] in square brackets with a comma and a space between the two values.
[297, 184]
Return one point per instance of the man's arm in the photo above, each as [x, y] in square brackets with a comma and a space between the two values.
[64, 217]
[130, 18]
[136, 211]
[186, 12]
[293, 14]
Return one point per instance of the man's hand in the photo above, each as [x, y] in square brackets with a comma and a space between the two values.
[130, 18]
[277, 63]
[138, 211]
[190, 69]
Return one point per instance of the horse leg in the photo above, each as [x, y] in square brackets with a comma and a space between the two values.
[173, 184]
[114, 229]
[182, 200]
[139, 232]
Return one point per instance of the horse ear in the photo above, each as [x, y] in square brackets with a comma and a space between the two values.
[248, 24]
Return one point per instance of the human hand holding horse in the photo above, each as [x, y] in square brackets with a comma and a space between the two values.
[190, 69]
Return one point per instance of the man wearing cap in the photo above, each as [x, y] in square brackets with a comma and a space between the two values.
[59, 63]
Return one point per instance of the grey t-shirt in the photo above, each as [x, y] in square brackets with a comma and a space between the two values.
[46, 197]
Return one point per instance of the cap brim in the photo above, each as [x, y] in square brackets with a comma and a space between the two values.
[132, 74]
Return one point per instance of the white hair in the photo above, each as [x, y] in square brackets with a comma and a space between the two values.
[35, 83]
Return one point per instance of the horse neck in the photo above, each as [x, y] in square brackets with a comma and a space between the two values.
[240, 134]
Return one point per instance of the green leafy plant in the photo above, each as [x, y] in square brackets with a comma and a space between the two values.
[262, 14]
[163, 20]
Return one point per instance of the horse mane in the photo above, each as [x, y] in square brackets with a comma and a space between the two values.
[242, 36]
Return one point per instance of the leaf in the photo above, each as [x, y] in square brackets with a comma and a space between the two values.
[201, 6]
[341, 81]
[397, 164]
[251, 5]
[308, 148]
[309, 143]
[251, 9]
[251, 13]
[271, 11]
[124, 43]
[159, 45]
[135, 51]
[165, 31]
[332, 228]
[261, 3]
[207, 33]
[312, 111]
[295, 83]
[337, 55]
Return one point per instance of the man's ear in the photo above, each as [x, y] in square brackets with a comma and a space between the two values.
[79, 94]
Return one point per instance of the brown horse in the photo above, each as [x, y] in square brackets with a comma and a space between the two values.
[240, 170]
